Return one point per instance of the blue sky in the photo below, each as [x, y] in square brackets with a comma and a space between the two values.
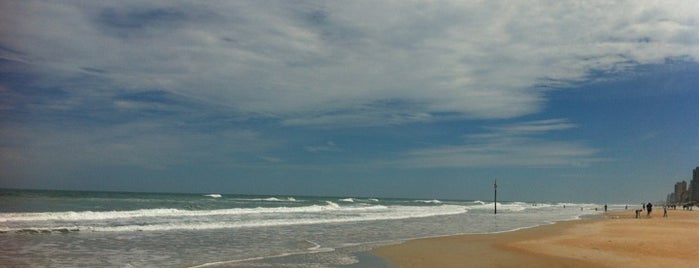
[584, 102]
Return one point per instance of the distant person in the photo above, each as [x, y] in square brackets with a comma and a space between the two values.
[665, 211]
[605, 208]
[649, 209]
[626, 207]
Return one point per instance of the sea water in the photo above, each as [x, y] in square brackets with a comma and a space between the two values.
[98, 229]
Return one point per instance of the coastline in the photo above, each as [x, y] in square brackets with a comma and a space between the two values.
[616, 239]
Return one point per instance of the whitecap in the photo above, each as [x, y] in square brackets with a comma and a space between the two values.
[433, 201]
[331, 205]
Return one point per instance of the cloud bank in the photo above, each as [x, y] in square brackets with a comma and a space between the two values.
[342, 63]
[281, 89]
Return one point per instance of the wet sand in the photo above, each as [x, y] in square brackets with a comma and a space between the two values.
[616, 240]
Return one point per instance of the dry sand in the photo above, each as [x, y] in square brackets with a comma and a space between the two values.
[617, 240]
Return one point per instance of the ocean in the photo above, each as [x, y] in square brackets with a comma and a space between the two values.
[110, 229]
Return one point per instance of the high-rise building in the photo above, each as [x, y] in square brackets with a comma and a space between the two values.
[681, 194]
[694, 186]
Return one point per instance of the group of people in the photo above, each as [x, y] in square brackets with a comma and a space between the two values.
[648, 208]
[645, 207]
[684, 206]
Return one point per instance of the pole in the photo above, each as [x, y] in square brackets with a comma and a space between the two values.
[495, 185]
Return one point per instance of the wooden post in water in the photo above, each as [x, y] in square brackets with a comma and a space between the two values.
[495, 185]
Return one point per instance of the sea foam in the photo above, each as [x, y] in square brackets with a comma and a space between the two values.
[178, 219]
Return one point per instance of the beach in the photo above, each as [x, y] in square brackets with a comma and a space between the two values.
[617, 239]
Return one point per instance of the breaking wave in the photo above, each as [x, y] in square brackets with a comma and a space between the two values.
[179, 219]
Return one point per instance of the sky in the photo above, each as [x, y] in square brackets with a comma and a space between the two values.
[591, 101]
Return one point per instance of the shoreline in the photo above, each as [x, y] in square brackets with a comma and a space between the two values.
[362, 253]
[614, 239]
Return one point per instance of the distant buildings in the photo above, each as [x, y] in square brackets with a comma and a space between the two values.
[681, 192]
[684, 194]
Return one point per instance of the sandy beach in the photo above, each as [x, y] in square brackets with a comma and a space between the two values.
[616, 240]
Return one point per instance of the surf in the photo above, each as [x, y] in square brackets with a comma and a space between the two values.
[177, 219]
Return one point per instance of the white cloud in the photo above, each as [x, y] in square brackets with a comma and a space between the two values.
[510, 153]
[325, 63]
[517, 145]
[536, 126]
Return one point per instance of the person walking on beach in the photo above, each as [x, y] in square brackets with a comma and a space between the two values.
[649, 208]
[665, 211]
[605, 208]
